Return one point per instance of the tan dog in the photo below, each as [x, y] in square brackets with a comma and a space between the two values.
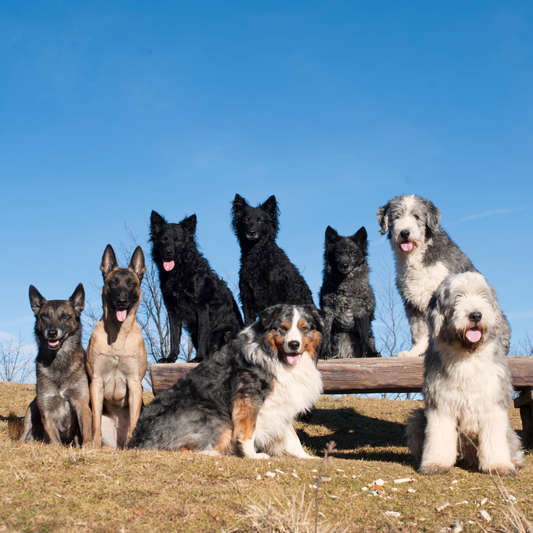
[116, 356]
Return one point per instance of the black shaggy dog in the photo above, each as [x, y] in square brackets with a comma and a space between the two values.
[266, 277]
[193, 294]
[347, 298]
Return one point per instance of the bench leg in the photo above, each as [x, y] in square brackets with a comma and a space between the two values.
[526, 414]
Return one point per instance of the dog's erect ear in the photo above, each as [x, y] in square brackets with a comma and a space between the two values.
[268, 315]
[189, 225]
[360, 237]
[271, 206]
[331, 235]
[36, 300]
[156, 223]
[432, 217]
[109, 261]
[77, 300]
[383, 218]
[137, 263]
[239, 203]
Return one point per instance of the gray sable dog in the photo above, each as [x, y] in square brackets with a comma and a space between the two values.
[347, 297]
[425, 255]
[60, 412]
[467, 383]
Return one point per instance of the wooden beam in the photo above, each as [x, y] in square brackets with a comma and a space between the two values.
[350, 376]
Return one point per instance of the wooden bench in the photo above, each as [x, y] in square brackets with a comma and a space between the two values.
[367, 376]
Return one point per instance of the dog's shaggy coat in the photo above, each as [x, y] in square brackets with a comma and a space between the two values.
[193, 293]
[347, 297]
[266, 277]
[467, 383]
[425, 255]
[244, 398]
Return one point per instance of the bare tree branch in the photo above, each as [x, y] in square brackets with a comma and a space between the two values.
[13, 365]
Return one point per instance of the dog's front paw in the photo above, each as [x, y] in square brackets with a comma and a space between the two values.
[433, 470]
[500, 470]
[261, 456]
[408, 353]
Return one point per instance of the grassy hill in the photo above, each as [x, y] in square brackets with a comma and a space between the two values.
[45, 488]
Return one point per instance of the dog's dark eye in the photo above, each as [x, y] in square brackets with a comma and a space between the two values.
[164, 239]
[246, 220]
[260, 221]
[417, 217]
[337, 255]
[65, 316]
[352, 252]
[177, 241]
[283, 328]
[304, 329]
[397, 217]
[45, 315]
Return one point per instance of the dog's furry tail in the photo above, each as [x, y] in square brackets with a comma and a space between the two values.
[415, 432]
[14, 426]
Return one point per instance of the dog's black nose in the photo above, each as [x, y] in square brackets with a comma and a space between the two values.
[475, 316]
[52, 333]
[168, 251]
[252, 233]
[122, 302]
[345, 265]
[294, 345]
[405, 233]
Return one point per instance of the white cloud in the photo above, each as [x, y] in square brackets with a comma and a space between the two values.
[501, 211]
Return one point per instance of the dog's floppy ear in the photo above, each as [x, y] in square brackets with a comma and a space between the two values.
[77, 300]
[268, 315]
[331, 235]
[156, 223]
[383, 218]
[109, 261]
[435, 314]
[137, 263]
[36, 300]
[432, 217]
[189, 225]
[319, 316]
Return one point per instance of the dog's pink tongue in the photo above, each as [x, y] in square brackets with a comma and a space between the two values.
[168, 265]
[294, 359]
[406, 246]
[473, 335]
[121, 315]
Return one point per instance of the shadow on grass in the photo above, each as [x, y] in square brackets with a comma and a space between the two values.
[358, 436]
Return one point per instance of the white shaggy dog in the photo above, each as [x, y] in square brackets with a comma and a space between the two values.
[467, 383]
[424, 255]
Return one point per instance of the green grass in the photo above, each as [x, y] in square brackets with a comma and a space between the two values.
[46, 488]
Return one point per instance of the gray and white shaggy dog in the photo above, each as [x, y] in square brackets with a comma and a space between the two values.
[425, 255]
[467, 383]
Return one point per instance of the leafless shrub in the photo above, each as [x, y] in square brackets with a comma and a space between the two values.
[14, 366]
[524, 346]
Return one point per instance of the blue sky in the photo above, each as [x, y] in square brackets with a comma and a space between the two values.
[111, 109]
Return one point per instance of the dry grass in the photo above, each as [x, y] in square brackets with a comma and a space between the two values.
[45, 488]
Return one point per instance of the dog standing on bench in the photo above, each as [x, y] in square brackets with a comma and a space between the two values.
[60, 412]
[116, 356]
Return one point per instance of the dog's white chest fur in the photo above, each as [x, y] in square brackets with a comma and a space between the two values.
[467, 390]
[417, 282]
[296, 389]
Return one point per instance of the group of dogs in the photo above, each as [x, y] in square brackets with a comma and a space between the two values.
[257, 376]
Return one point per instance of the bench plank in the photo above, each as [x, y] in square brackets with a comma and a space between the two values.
[350, 376]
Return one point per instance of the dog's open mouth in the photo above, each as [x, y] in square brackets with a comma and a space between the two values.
[54, 344]
[169, 265]
[407, 246]
[293, 358]
[473, 335]
[121, 314]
